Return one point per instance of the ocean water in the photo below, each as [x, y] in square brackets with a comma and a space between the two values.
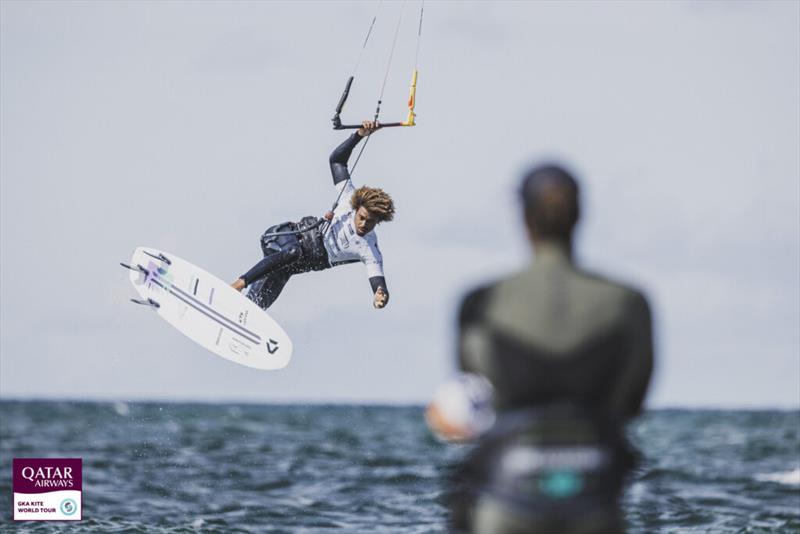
[165, 467]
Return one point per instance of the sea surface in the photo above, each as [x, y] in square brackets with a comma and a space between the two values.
[166, 467]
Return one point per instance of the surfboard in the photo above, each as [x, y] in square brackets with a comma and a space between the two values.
[208, 311]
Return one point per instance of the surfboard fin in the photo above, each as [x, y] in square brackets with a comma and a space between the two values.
[148, 302]
[138, 268]
[160, 257]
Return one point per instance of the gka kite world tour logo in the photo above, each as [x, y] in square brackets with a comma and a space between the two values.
[47, 489]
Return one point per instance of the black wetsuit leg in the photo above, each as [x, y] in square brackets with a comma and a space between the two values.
[279, 251]
[266, 290]
[285, 254]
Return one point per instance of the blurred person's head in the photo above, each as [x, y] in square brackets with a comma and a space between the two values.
[550, 199]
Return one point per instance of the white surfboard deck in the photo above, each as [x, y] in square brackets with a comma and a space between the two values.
[209, 311]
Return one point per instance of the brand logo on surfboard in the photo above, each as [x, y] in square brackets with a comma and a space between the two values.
[272, 346]
[158, 275]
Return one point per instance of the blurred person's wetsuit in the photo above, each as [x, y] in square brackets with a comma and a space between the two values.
[570, 355]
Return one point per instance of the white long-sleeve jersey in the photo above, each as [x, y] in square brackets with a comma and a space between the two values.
[342, 242]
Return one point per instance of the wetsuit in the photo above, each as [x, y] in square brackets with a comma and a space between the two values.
[570, 357]
[298, 247]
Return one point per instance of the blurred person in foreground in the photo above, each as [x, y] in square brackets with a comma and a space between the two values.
[563, 357]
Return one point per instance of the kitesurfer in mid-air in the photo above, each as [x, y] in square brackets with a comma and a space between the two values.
[298, 247]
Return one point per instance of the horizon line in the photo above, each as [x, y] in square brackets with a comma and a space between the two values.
[349, 402]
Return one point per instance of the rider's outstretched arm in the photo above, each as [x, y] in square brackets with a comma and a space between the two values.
[339, 157]
[378, 281]
[379, 291]
[341, 153]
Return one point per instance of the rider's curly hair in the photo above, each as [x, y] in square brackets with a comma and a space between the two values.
[375, 200]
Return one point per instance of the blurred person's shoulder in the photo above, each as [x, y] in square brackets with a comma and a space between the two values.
[588, 290]
[595, 293]
[618, 294]
[611, 286]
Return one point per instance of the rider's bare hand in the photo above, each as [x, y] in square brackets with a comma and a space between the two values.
[381, 298]
[368, 127]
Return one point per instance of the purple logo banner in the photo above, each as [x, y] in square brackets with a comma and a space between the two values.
[42, 475]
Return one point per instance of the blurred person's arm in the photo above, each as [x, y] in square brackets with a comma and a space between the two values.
[473, 340]
[628, 396]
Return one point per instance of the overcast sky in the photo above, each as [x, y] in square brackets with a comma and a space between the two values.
[191, 127]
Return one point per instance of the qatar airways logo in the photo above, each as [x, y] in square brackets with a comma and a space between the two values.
[47, 489]
[49, 477]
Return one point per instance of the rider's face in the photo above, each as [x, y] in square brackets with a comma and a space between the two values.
[365, 221]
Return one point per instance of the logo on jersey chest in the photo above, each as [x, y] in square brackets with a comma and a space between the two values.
[348, 236]
[344, 235]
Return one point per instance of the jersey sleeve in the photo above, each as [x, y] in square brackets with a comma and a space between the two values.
[373, 260]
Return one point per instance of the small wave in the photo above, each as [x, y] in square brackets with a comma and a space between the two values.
[791, 478]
